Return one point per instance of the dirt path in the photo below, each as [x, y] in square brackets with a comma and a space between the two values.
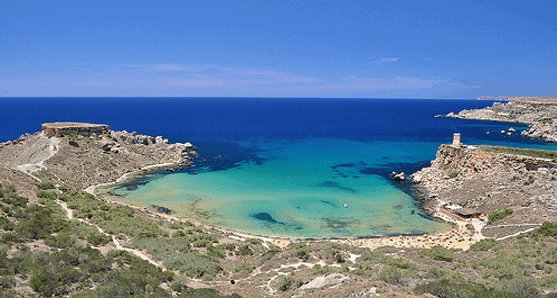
[69, 215]
[516, 234]
[512, 225]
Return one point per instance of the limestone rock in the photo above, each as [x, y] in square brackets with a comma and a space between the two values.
[399, 177]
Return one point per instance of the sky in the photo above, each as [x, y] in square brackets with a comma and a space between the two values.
[345, 49]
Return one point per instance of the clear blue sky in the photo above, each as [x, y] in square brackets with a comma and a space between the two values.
[388, 49]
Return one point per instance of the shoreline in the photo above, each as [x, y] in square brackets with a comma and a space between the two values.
[456, 236]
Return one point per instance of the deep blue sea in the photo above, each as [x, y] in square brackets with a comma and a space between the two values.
[281, 167]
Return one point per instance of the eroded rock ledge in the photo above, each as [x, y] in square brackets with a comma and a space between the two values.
[539, 113]
[491, 179]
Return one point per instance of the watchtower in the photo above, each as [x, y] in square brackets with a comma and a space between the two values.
[456, 139]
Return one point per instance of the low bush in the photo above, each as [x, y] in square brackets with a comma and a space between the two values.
[439, 253]
[46, 185]
[498, 215]
[6, 224]
[246, 266]
[391, 275]
[453, 175]
[290, 283]
[483, 245]
[244, 250]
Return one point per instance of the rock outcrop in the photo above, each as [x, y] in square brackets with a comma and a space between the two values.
[539, 113]
[487, 179]
[89, 157]
[60, 129]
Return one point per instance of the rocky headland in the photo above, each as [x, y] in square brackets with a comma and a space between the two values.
[80, 155]
[540, 113]
[490, 179]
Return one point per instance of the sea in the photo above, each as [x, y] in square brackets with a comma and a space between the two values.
[283, 167]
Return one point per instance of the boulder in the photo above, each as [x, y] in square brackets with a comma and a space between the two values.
[399, 177]
[107, 145]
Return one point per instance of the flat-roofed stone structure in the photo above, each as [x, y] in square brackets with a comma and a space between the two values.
[60, 129]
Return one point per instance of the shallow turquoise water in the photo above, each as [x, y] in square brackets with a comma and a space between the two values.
[299, 191]
[286, 167]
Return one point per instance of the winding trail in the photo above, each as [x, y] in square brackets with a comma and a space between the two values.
[69, 215]
[515, 234]
[512, 225]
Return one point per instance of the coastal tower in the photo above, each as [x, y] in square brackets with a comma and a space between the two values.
[456, 139]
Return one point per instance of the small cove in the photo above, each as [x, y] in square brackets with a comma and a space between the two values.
[283, 167]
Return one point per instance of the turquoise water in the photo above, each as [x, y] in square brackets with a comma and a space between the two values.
[281, 166]
[299, 191]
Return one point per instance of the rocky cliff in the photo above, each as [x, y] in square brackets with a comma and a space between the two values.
[493, 178]
[539, 113]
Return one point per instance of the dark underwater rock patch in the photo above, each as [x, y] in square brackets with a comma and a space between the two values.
[266, 217]
[162, 209]
[336, 185]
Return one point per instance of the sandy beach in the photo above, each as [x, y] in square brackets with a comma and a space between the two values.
[458, 236]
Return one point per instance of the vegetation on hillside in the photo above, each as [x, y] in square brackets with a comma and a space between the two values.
[522, 151]
[44, 253]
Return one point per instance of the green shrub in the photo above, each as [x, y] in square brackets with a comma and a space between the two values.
[391, 275]
[290, 283]
[531, 181]
[62, 240]
[6, 224]
[498, 215]
[436, 273]
[179, 234]
[15, 201]
[10, 237]
[318, 269]
[398, 263]
[37, 222]
[453, 175]
[98, 238]
[46, 185]
[244, 250]
[246, 266]
[483, 245]
[547, 229]
[254, 241]
[228, 246]
[439, 253]
[47, 195]
[175, 226]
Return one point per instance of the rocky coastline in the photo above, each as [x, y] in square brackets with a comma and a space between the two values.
[489, 179]
[88, 159]
[540, 113]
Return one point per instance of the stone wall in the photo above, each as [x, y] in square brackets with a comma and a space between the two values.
[60, 129]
